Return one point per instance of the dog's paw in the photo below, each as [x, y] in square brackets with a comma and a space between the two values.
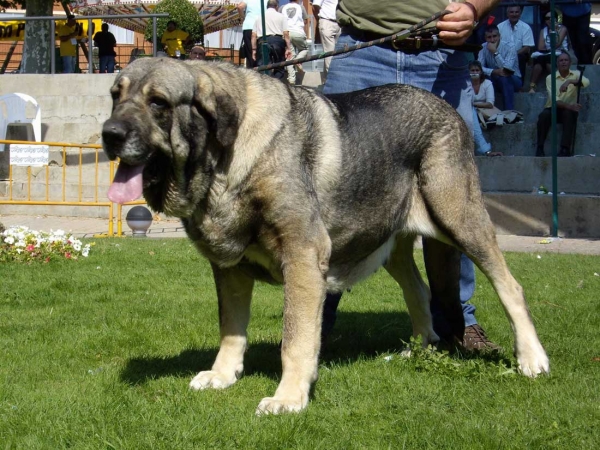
[533, 362]
[273, 405]
[211, 379]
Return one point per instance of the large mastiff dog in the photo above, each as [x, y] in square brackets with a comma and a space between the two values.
[282, 184]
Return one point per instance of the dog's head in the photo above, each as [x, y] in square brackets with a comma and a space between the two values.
[172, 124]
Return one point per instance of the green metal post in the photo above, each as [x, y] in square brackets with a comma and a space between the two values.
[554, 139]
[264, 45]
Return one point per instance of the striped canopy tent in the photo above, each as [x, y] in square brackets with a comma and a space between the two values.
[216, 14]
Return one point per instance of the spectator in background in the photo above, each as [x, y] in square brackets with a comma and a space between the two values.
[519, 33]
[576, 17]
[197, 52]
[296, 18]
[67, 33]
[249, 10]
[328, 26]
[567, 108]
[541, 58]
[106, 43]
[277, 37]
[175, 40]
[499, 61]
[483, 97]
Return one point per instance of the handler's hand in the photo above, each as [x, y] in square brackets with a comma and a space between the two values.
[457, 26]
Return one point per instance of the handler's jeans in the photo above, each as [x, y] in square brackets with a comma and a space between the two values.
[444, 73]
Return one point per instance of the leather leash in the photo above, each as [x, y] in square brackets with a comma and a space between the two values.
[349, 48]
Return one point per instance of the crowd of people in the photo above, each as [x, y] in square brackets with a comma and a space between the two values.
[497, 71]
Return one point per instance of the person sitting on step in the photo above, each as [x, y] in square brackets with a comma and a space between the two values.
[567, 108]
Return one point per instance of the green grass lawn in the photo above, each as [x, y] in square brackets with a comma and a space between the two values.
[98, 353]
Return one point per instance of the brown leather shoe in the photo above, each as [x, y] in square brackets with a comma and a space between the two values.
[475, 340]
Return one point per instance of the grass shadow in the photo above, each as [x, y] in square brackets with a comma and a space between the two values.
[357, 335]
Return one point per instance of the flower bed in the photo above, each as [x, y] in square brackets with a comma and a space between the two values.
[24, 245]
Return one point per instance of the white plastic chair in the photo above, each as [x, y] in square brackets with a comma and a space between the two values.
[13, 110]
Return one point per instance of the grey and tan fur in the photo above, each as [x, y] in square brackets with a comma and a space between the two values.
[283, 184]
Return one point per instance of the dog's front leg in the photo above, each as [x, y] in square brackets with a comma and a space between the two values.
[234, 291]
[304, 279]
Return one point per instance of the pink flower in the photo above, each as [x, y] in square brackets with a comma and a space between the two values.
[68, 255]
[30, 248]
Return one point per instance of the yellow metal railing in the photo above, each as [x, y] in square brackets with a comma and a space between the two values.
[70, 174]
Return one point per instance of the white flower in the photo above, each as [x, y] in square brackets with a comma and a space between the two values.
[9, 240]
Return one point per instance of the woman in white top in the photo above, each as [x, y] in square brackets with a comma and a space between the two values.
[483, 97]
[541, 58]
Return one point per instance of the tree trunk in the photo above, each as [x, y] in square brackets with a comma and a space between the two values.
[37, 47]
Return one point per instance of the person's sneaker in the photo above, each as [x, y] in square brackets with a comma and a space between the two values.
[475, 340]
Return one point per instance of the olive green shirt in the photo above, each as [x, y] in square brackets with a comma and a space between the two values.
[386, 17]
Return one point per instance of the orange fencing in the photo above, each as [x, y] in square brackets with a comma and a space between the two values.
[75, 175]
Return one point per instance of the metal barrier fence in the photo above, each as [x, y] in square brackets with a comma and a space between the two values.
[73, 176]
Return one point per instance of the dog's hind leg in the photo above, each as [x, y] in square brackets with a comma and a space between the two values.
[531, 357]
[401, 266]
[234, 291]
[455, 203]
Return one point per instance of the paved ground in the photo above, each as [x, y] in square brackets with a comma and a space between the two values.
[85, 227]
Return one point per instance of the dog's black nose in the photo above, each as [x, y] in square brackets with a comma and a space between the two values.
[114, 134]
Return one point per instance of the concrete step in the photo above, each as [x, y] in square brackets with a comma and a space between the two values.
[532, 104]
[531, 214]
[520, 139]
[576, 175]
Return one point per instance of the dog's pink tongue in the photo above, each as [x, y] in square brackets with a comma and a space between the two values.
[127, 185]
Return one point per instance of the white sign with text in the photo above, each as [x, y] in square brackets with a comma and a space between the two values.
[29, 155]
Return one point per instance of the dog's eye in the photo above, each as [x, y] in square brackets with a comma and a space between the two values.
[158, 103]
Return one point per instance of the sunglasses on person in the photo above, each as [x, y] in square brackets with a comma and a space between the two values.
[547, 18]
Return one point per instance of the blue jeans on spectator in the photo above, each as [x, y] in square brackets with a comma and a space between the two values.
[444, 73]
[68, 63]
[481, 145]
[107, 64]
[508, 86]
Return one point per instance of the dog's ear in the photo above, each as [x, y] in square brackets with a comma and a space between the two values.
[220, 106]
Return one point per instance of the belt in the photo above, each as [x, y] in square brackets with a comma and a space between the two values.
[417, 43]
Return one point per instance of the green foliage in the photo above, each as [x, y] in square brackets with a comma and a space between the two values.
[183, 13]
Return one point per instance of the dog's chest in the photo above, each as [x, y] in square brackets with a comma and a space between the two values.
[218, 236]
